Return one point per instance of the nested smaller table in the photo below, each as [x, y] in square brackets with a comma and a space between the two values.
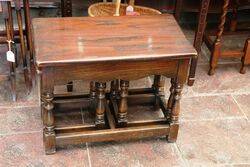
[107, 49]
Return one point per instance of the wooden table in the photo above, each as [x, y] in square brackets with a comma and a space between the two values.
[107, 49]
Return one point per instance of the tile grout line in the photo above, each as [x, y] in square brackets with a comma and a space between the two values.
[232, 164]
[89, 159]
[18, 133]
[181, 156]
[241, 109]
[215, 94]
[219, 63]
[217, 119]
[87, 146]
[241, 163]
[16, 107]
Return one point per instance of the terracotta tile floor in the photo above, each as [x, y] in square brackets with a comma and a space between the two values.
[215, 126]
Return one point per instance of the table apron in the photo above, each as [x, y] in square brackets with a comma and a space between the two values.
[107, 71]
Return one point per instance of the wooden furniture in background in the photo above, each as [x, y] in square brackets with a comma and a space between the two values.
[66, 7]
[202, 21]
[114, 9]
[203, 10]
[27, 31]
[245, 60]
[192, 6]
[215, 46]
[94, 53]
[10, 37]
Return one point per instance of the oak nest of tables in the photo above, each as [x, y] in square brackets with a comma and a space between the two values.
[116, 49]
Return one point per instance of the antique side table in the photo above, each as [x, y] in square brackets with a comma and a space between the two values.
[105, 49]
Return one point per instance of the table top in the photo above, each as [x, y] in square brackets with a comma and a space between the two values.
[86, 39]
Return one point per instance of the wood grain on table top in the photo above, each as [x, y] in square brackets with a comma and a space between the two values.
[85, 39]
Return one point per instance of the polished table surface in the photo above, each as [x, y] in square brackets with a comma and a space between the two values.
[86, 39]
[109, 49]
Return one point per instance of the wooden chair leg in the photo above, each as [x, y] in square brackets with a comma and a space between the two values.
[23, 49]
[100, 106]
[28, 28]
[14, 48]
[10, 18]
[193, 66]
[10, 37]
[123, 104]
[177, 13]
[26, 7]
[217, 44]
[233, 21]
[214, 57]
[203, 10]
[246, 57]
[13, 80]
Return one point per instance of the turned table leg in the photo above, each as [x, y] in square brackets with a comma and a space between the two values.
[171, 96]
[100, 106]
[158, 87]
[174, 99]
[174, 124]
[48, 121]
[123, 104]
[217, 45]
[46, 84]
